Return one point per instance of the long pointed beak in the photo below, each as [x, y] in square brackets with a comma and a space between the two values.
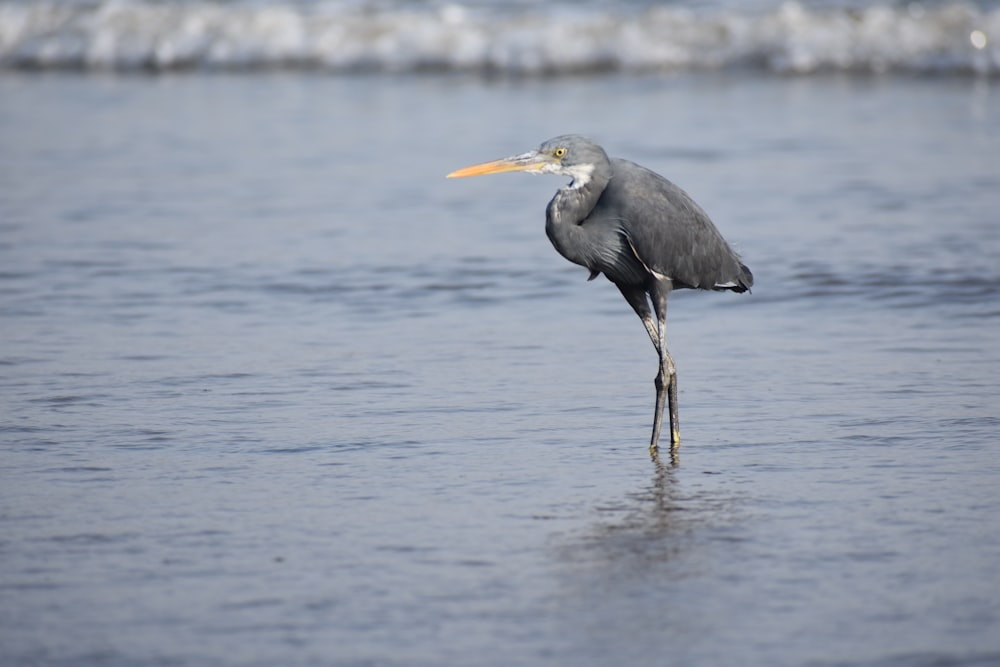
[532, 162]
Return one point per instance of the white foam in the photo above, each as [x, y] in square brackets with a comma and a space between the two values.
[523, 39]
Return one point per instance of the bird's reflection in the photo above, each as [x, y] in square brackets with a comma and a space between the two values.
[649, 525]
[639, 525]
[652, 511]
[631, 576]
[671, 457]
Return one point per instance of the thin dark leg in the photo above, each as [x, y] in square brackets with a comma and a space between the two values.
[666, 391]
[667, 379]
[661, 393]
[666, 384]
[675, 423]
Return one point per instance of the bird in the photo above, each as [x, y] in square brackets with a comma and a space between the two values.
[641, 231]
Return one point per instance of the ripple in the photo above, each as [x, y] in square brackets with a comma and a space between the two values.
[895, 286]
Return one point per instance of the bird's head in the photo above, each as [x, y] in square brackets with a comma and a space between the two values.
[569, 155]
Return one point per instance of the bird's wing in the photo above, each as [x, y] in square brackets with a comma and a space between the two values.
[668, 232]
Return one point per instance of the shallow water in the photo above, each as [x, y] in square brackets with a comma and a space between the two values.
[276, 392]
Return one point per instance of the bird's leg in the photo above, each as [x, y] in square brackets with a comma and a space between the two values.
[666, 388]
[666, 383]
[649, 323]
[637, 299]
[666, 392]
[667, 379]
[654, 440]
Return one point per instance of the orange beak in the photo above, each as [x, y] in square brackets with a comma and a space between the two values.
[532, 162]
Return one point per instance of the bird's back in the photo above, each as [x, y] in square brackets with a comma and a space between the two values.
[669, 233]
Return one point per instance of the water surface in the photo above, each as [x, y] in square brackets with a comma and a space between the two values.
[276, 392]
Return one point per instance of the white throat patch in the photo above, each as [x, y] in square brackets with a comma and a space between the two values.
[580, 173]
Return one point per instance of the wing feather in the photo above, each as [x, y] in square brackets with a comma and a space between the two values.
[670, 234]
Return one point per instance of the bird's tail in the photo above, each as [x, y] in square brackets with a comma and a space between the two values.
[745, 281]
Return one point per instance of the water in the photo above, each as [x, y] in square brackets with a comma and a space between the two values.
[276, 392]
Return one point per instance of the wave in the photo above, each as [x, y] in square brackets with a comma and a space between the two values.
[522, 39]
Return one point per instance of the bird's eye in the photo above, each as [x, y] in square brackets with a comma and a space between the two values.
[559, 152]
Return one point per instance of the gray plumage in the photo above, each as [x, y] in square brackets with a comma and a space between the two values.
[645, 234]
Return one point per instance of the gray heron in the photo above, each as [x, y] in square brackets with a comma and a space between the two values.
[645, 234]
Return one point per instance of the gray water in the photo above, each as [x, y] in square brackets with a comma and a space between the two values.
[275, 392]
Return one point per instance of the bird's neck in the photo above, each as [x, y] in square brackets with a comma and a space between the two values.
[569, 208]
[573, 203]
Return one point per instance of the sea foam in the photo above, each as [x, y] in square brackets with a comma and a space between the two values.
[521, 39]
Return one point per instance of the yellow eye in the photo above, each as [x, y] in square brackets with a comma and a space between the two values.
[559, 152]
